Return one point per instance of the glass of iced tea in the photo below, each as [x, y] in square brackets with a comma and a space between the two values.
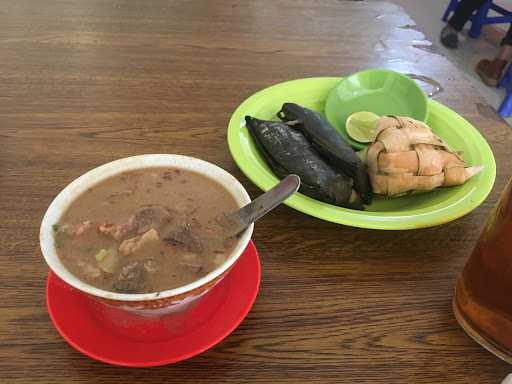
[483, 294]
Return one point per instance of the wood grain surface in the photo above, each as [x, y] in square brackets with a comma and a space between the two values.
[86, 82]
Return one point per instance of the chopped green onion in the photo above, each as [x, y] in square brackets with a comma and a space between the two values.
[55, 227]
[102, 253]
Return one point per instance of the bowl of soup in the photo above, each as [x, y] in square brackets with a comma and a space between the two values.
[139, 233]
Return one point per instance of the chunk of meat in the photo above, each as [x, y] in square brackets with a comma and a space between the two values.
[144, 219]
[151, 217]
[146, 243]
[119, 231]
[186, 236]
[131, 279]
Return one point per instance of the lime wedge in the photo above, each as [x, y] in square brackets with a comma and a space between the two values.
[362, 126]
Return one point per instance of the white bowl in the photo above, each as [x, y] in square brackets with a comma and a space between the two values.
[155, 302]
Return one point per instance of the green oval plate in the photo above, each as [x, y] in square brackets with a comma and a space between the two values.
[408, 212]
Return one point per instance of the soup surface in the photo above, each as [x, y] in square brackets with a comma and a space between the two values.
[145, 231]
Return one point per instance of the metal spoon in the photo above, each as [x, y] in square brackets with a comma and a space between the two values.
[235, 222]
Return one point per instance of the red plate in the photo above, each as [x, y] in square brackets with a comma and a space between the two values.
[88, 326]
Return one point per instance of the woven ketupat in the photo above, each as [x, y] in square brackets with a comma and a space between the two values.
[407, 156]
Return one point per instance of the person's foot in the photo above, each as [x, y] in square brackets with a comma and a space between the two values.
[490, 71]
[449, 37]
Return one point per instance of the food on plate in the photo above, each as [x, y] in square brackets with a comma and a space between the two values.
[286, 150]
[407, 156]
[330, 144]
[404, 155]
[362, 126]
[145, 231]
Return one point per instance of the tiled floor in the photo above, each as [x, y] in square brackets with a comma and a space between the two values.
[427, 15]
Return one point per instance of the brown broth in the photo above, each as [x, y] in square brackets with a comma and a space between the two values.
[145, 231]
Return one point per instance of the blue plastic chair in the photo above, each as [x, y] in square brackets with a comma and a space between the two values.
[480, 18]
[505, 109]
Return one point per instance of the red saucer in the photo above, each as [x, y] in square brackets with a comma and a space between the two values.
[84, 324]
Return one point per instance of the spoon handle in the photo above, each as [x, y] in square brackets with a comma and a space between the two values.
[260, 206]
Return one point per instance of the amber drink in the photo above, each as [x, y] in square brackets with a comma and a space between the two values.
[483, 294]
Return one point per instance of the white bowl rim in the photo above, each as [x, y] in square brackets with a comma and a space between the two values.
[61, 202]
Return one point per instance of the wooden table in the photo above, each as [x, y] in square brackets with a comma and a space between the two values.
[86, 82]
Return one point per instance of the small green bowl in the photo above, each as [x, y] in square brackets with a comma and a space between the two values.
[380, 91]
